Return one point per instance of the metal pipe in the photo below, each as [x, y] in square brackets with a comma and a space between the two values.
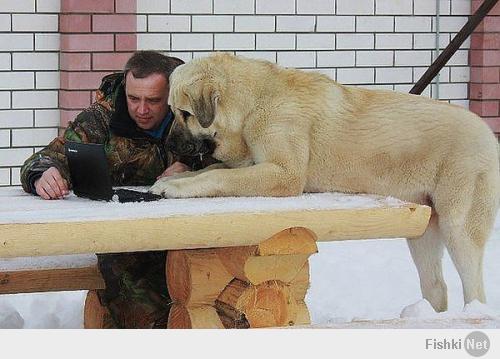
[453, 46]
[438, 47]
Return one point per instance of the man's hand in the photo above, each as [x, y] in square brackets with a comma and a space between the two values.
[51, 185]
[176, 167]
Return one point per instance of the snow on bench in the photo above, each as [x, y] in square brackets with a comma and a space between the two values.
[30, 226]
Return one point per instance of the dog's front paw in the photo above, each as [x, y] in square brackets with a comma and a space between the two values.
[159, 186]
[167, 187]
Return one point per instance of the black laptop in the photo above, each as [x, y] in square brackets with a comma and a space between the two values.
[90, 175]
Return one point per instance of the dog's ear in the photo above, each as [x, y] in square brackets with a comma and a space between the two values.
[204, 98]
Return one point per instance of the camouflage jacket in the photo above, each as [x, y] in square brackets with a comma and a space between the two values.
[134, 157]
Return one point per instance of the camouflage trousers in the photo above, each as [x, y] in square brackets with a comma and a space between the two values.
[136, 293]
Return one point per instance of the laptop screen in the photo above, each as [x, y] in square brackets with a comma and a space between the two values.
[89, 170]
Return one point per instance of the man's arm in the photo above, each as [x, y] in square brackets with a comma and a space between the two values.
[90, 126]
[52, 156]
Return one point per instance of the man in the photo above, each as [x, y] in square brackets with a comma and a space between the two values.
[132, 118]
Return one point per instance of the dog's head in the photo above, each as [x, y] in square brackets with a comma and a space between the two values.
[194, 108]
[204, 122]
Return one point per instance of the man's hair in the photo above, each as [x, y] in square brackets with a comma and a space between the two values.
[145, 63]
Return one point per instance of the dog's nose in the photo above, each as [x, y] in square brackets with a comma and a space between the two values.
[180, 147]
[207, 147]
[188, 148]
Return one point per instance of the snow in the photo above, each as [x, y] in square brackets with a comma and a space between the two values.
[354, 284]
[50, 262]
[17, 206]
[420, 309]
[376, 280]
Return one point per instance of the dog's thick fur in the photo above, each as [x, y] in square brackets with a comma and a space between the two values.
[281, 132]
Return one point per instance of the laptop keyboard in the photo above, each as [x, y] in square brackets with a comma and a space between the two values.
[128, 195]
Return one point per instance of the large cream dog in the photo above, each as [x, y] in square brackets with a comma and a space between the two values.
[281, 132]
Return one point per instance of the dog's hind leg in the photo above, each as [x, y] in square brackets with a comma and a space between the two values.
[466, 241]
[427, 253]
[468, 259]
[466, 217]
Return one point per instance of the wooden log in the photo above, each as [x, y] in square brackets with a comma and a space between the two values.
[199, 317]
[300, 284]
[269, 304]
[303, 317]
[195, 277]
[257, 270]
[277, 258]
[46, 280]
[296, 240]
[208, 231]
[95, 315]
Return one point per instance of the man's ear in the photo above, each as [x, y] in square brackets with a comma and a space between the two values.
[204, 98]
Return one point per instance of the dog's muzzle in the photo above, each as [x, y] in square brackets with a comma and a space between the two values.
[203, 146]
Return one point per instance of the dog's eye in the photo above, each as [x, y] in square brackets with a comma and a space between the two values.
[186, 114]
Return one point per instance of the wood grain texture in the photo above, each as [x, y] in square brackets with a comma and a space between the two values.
[47, 280]
[277, 258]
[195, 277]
[95, 315]
[207, 231]
[269, 304]
[199, 317]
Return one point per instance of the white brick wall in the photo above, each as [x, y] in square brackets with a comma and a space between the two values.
[4, 138]
[34, 99]
[10, 157]
[375, 23]
[256, 23]
[217, 23]
[18, 6]
[315, 7]
[29, 81]
[53, 6]
[334, 24]
[47, 118]
[35, 61]
[4, 176]
[233, 6]
[169, 23]
[16, 42]
[17, 80]
[295, 23]
[153, 6]
[336, 59]
[230, 42]
[378, 43]
[4, 99]
[297, 59]
[275, 6]
[33, 137]
[359, 7]
[392, 7]
[34, 22]
[276, 41]
[315, 41]
[5, 22]
[190, 7]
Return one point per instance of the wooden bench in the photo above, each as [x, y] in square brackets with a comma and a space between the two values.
[232, 262]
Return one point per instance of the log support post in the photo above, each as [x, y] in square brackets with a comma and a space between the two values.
[242, 287]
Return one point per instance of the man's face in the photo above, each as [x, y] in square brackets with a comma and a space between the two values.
[147, 100]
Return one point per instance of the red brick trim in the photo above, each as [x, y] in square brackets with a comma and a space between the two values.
[484, 54]
[97, 38]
